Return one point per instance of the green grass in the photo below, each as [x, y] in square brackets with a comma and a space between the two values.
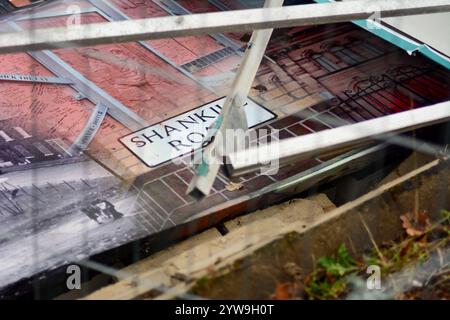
[330, 278]
[328, 281]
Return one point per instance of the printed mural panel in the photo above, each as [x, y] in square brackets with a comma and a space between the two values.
[57, 205]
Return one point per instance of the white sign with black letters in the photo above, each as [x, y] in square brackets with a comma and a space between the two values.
[184, 133]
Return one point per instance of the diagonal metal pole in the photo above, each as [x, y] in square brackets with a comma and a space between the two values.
[232, 119]
[328, 141]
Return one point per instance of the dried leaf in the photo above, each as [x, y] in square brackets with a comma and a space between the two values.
[233, 186]
[283, 291]
[415, 225]
[423, 220]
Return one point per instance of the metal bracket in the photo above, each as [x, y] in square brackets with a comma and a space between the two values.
[90, 129]
[34, 78]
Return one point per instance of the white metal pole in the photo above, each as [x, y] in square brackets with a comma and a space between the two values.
[215, 22]
[232, 118]
[315, 144]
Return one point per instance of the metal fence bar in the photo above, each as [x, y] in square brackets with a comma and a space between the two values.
[311, 145]
[232, 115]
[216, 22]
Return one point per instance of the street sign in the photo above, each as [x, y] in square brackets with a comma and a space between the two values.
[184, 133]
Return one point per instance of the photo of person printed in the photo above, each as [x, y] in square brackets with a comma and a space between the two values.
[102, 211]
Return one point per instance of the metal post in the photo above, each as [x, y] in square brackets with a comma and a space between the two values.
[232, 117]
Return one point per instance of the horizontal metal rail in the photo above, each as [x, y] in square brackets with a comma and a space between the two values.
[316, 144]
[215, 22]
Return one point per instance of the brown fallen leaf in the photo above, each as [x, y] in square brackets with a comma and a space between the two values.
[415, 225]
[233, 186]
[283, 291]
[423, 220]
